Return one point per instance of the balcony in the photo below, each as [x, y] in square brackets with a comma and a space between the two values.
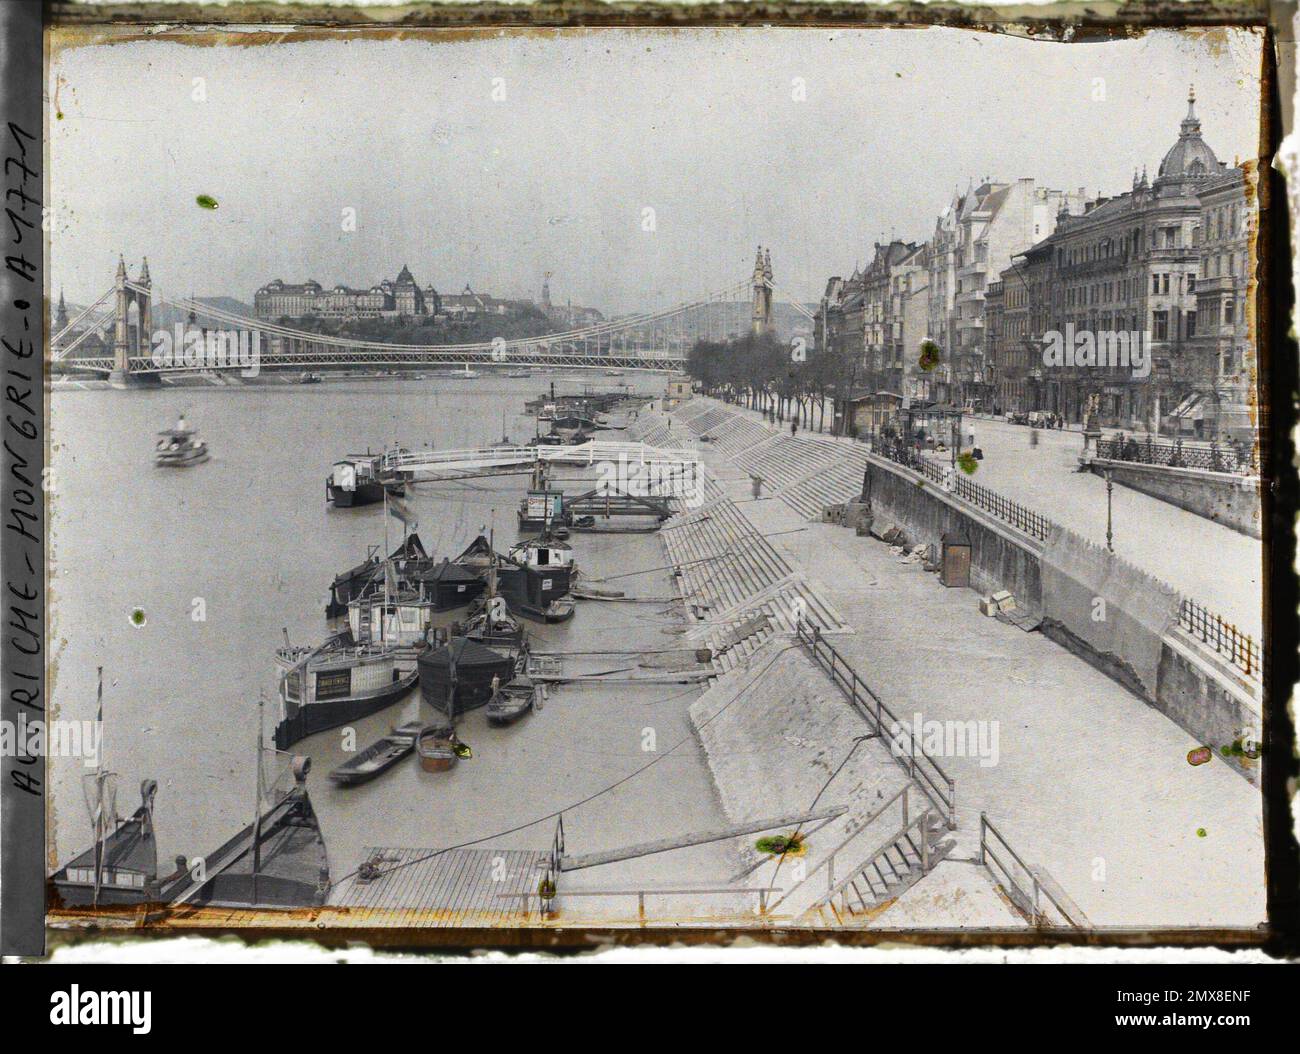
[1226, 283]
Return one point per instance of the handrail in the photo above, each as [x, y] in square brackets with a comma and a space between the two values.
[882, 848]
[828, 861]
[762, 891]
[943, 791]
[986, 825]
[1241, 649]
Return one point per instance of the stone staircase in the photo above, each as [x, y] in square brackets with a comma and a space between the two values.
[737, 589]
[730, 576]
[902, 860]
[839, 483]
[807, 474]
[736, 434]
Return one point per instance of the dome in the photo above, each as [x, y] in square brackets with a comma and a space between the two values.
[1190, 157]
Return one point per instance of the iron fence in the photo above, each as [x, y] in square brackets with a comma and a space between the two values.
[1210, 457]
[1025, 520]
[1239, 648]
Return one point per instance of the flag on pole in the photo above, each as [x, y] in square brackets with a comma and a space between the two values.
[398, 508]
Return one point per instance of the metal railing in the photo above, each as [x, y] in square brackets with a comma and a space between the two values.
[841, 890]
[937, 785]
[545, 907]
[828, 862]
[1012, 513]
[1211, 457]
[1239, 648]
[548, 886]
[1029, 901]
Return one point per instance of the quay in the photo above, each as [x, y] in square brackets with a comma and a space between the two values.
[1092, 783]
[825, 648]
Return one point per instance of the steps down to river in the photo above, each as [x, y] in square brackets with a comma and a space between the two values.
[780, 737]
[734, 584]
[899, 863]
[806, 473]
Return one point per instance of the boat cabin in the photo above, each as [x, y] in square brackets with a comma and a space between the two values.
[128, 860]
[543, 553]
[541, 508]
[352, 473]
[459, 676]
[447, 586]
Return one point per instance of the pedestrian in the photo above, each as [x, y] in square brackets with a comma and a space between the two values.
[794, 427]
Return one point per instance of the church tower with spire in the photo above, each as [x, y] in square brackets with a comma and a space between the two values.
[762, 284]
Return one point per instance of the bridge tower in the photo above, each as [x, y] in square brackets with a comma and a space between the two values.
[762, 313]
[128, 341]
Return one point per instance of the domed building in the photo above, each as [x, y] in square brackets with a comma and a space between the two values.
[1190, 160]
[1127, 270]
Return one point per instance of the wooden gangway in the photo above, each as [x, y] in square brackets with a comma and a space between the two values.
[414, 466]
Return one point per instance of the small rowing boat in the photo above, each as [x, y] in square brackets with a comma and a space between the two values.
[379, 757]
[511, 701]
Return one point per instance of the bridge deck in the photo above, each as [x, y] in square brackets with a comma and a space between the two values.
[423, 465]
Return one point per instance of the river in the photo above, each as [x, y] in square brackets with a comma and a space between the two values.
[247, 542]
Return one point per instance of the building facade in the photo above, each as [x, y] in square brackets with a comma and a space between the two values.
[1224, 403]
[400, 298]
[1121, 279]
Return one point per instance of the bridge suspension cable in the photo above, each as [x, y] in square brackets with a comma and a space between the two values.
[790, 300]
[608, 328]
[101, 321]
[82, 314]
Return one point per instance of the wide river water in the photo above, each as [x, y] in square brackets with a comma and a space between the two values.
[248, 538]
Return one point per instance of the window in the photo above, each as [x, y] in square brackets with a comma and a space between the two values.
[1160, 325]
[1191, 283]
[1229, 310]
[1191, 324]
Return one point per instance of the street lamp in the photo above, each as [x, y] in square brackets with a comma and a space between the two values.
[1110, 487]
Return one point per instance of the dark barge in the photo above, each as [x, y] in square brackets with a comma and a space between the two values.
[354, 481]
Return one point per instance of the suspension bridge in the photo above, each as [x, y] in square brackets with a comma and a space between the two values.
[216, 339]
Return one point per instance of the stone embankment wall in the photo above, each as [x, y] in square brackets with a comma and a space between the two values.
[1111, 614]
[1224, 497]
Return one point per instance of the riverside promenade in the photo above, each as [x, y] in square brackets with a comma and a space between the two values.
[1089, 782]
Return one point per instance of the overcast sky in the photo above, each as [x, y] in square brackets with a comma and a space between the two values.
[595, 127]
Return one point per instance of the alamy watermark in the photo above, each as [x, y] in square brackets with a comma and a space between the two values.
[212, 349]
[1099, 349]
[947, 739]
[51, 739]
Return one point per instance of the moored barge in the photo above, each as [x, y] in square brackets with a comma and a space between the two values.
[334, 683]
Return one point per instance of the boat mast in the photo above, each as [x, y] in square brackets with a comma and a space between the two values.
[99, 792]
[257, 804]
[492, 565]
